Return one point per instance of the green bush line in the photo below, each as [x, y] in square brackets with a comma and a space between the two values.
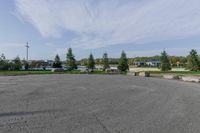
[42, 72]
[36, 72]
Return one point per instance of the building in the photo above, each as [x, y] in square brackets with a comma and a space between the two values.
[153, 63]
[113, 70]
[99, 67]
[139, 63]
[50, 62]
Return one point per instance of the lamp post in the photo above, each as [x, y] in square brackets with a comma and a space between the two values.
[27, 47]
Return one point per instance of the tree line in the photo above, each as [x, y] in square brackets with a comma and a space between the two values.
[16, 63]
[90, 63]
[192, 61]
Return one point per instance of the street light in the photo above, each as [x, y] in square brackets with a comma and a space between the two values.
[27, 47]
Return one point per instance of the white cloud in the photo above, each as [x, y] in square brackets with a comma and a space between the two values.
[101, 23]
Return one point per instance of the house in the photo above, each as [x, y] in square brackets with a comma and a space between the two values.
[82, 68]
[113, 70]
[153, 63]
[139, 63]
[99, 67]
[50, 62]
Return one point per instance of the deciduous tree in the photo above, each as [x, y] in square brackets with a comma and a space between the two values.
[17, 64]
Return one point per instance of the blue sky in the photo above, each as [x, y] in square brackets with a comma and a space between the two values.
[140, 27]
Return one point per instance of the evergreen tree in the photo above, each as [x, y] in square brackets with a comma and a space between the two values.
[105, 61]
[123, 62]
[2, 62]
[71, 61]
[57, 63]
[2, 57]
[165, 63]
[193, 61]
[17, 65]
[91, 62]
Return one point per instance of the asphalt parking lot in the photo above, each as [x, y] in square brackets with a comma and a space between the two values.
[98, 104]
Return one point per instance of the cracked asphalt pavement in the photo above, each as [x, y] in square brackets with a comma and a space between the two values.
[98, 104]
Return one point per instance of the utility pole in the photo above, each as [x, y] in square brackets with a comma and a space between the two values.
[27, 47]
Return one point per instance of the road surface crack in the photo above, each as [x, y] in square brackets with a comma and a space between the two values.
[101, 124]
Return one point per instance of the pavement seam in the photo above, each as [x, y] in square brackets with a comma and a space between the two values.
[101, 124]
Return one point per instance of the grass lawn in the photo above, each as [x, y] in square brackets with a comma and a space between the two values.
[41, 72]
[15, 73]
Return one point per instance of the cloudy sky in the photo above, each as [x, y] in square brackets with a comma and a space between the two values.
[140, 27]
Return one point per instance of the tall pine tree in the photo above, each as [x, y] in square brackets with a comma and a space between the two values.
[105, 61]
[193, 61]
[91, 62]
[123, 62]
[57, 63]
[165, 63]
[71, 61]
[2, 62]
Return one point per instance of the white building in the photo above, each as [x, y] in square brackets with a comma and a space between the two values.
[153, 63]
